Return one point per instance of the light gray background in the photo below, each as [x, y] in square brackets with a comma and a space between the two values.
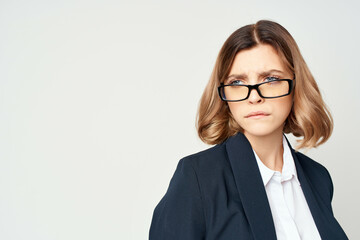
[98, 101]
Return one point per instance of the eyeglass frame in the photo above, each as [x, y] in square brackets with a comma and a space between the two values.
[256, 87]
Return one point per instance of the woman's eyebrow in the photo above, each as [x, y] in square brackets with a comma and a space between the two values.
[261, 74]
[272, 71]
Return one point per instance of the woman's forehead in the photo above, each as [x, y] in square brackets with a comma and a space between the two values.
[258, 60]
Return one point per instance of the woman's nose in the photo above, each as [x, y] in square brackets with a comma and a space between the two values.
[254, 97]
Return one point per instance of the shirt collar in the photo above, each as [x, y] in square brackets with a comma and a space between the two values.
[288, 169]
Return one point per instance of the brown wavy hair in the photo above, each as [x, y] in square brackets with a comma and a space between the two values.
[309, 117]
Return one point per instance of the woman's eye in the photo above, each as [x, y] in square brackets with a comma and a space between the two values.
[236, 82]
[271, 78]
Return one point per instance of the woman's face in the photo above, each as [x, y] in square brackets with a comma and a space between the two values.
[251, 67]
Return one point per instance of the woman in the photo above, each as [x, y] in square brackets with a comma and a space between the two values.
[252, 184]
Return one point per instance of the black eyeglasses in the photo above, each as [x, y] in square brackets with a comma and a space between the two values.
[273, 88]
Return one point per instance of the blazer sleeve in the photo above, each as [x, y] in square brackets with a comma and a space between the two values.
[180, 213]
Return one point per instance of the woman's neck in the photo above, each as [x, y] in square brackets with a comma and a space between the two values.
[269, 148]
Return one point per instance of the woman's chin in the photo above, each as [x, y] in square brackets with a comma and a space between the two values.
[261, 131]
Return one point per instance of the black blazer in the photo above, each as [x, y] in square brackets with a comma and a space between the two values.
[219, 194]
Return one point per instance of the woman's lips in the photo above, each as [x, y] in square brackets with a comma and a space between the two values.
[256, 115]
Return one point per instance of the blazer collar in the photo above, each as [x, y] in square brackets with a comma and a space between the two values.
[250, 187]
[253, 196]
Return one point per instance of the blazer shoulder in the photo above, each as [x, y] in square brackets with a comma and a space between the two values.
[208, 160]
[309, 164]
[208, 156]
[209, 151]
[317, 173]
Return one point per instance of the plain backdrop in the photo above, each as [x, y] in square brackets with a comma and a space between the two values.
[98, 100]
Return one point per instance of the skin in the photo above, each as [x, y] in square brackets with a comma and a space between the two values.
[264, 133]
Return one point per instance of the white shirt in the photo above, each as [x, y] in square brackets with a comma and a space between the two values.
[290, 211]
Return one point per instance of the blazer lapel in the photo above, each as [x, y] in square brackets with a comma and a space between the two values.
[250, 187]
[323, 218]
